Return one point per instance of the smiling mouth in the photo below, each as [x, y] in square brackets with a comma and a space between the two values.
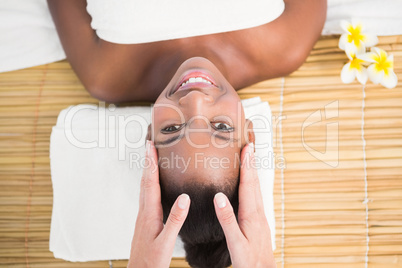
[195, 79]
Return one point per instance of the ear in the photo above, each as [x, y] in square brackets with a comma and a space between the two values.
[149, 133]
[250, 137]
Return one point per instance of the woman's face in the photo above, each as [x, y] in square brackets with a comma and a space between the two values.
[198, 124]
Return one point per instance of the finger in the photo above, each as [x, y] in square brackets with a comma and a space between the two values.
[150, 195]
[248, 182]
[227, 219]
[258, 196]
[177, 216]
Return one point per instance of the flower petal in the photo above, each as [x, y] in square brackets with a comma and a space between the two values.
[343, 41]
[360, 49]
[367, 57]
[390, 58]
[356, 23]
[362, 76]
[347, 74]
[345, 25]
[353, 50]
[378, 51]
[374, 75]
[350, 51]
[370, 40]
[390, 80]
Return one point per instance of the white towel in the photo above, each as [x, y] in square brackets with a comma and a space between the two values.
[96, 178]
[380, 17]
[137, 21]
[28, 36]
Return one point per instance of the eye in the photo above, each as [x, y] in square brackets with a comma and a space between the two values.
[172, 128]
[220, 126]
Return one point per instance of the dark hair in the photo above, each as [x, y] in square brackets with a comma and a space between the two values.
[202, 234]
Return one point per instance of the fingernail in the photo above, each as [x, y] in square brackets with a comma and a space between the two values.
[148, 147]
[183, 201]
[220, 200]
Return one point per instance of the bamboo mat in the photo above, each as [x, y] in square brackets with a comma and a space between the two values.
[338, 200]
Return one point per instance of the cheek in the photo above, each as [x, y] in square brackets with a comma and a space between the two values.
[165, 114]
[230, 105]
[161, 114]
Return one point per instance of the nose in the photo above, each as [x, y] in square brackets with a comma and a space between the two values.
[196, 105]
[196, 99]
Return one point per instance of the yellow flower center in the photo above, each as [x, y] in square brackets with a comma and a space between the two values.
[382, 63]
[356, 63]
[355, 34]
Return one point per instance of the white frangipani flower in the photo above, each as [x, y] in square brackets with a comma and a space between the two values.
[354, 68]
[382, 68]
[355, 36]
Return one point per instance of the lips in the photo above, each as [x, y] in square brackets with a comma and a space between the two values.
[195, 79]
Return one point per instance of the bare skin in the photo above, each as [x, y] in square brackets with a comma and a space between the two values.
[203, 120]
[139, 72]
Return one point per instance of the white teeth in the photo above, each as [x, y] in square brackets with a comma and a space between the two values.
[196, 80]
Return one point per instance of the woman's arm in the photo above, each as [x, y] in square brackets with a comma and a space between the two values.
[294, 35]
[79, 41]
[103, 67]
[286, 42]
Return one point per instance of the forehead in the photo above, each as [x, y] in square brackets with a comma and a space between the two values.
[184, 163]
[188, 150]
[198, 168]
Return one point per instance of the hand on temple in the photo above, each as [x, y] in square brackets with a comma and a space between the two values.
[153, 243]
[249, 240]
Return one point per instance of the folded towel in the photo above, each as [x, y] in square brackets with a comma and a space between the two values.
[96, 170]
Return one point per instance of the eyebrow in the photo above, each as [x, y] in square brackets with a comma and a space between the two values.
[179, 137]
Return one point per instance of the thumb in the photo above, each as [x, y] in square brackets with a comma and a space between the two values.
[227, 219]
[177, 216]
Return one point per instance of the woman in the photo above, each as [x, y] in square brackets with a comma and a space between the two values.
[206, 71]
